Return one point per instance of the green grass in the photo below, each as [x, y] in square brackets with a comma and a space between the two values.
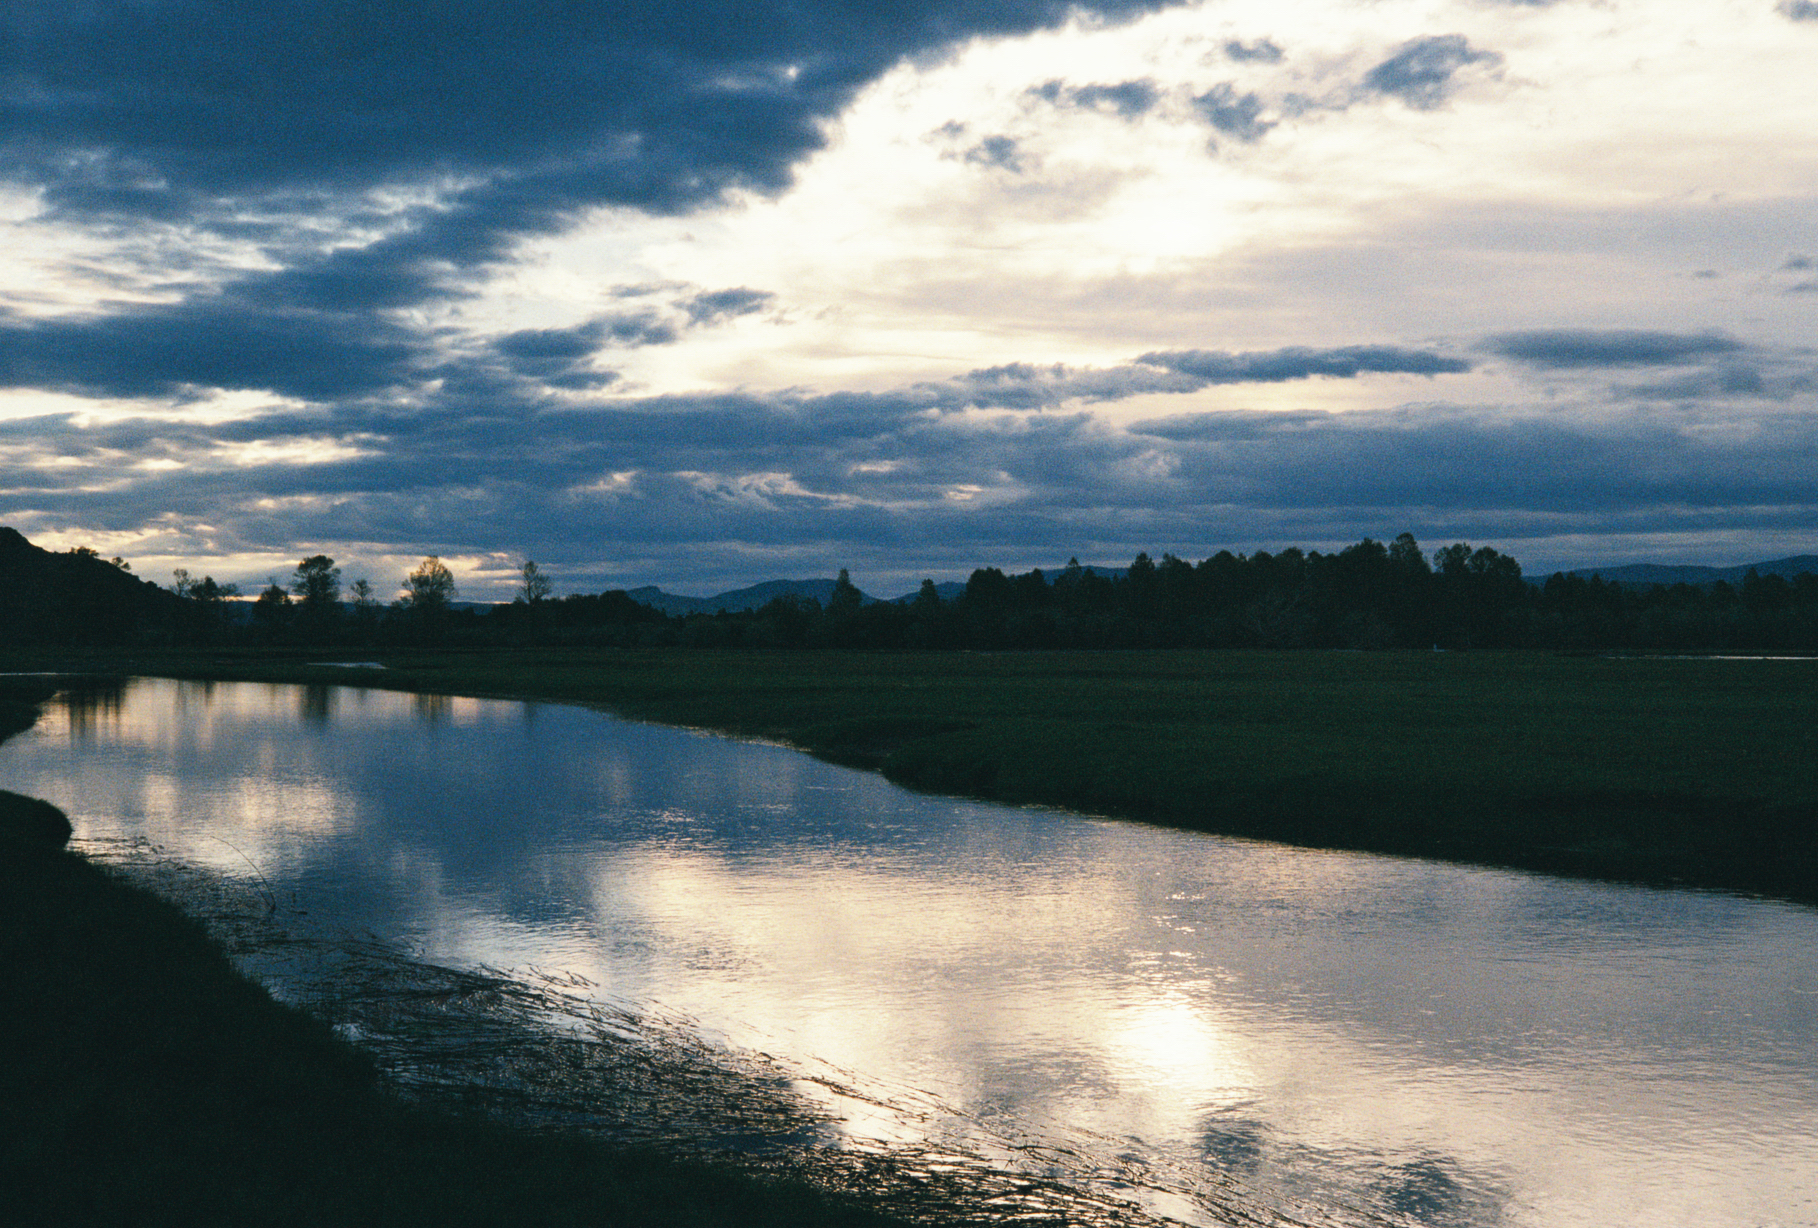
[1695, 772]
[144, 1082]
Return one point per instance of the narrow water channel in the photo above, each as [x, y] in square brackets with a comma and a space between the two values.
[1215, 1031]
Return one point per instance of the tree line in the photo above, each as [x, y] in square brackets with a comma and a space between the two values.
[1372, 595]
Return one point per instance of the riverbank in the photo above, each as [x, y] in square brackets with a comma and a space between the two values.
[1673, 771]
[145, 1082]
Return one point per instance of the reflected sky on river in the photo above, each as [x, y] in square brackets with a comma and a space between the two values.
[1469, 1046]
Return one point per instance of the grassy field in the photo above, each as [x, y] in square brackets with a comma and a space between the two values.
[1695, 772]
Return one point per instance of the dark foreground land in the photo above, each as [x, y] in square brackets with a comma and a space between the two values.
[1693, 772]
[144, 1082]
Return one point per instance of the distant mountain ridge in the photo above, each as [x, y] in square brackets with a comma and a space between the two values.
[753, 597]
[1660, 573]
[757, 596]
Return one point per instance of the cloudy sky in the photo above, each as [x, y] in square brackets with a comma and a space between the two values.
[702, 293]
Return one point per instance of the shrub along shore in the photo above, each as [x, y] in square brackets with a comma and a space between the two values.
[1689, 772]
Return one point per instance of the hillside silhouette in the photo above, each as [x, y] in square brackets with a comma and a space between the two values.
[77, 598]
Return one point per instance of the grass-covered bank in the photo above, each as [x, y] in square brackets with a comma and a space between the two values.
[1650, 769]
[144, 1082]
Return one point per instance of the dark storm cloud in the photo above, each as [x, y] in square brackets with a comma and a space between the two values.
[1021, 385]
[160, 350]
[1128, 99]
[1299, 362]
[241, 340]
[1567, 348]
[637, 328]
[1421, 71]
[715, 306]
[530, 347]
[188, 110]
[557, 357]
[543, 344]
[248, 337]
[1535, 465]
[1232, 113]
[1799, 10]
[1721, 381]
[473, 431]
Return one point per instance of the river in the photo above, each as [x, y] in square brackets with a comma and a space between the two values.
[1212, 1031]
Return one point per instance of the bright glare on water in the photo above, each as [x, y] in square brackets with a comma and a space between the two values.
[1319, 1036]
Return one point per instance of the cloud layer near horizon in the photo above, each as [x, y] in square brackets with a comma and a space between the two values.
[698, 296]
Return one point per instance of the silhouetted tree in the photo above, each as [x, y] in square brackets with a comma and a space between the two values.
[423, 610]
[535, 586]
[785, 620]
[1405, 553]
[207, 590]
[365, 622]
[205, 617]
[317, 585]
[1478, 593]
[317, 582]
[845, 598]
[430, 587]
[271, 611]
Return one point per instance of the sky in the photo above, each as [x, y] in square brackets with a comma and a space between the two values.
[703, 294]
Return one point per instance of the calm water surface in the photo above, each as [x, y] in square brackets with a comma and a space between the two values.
[1329, 1037]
